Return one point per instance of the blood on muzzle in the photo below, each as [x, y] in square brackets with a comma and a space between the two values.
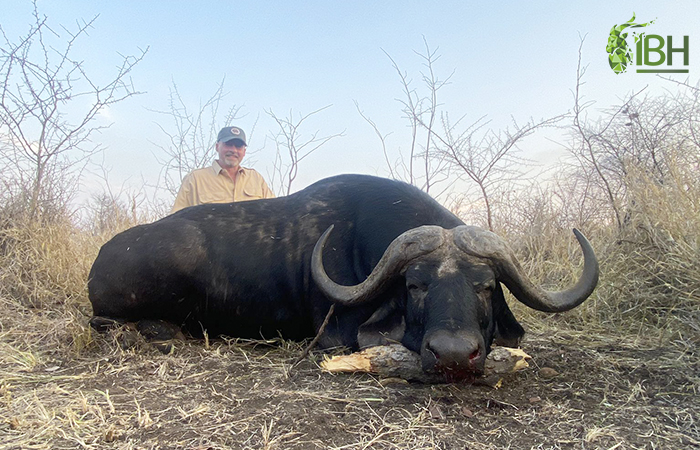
[455, 351]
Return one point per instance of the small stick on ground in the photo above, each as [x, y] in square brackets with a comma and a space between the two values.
[315, 340]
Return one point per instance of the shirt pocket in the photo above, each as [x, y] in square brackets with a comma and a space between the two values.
[252, 192]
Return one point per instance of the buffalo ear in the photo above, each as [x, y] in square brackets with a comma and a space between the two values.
[508, 330]
[386, 325]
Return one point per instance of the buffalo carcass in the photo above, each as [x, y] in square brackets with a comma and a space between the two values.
[398, 265]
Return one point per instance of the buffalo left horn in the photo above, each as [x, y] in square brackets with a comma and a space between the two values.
[485, 244]
[409, 245]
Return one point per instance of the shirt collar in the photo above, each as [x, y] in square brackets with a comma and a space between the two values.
[217, 168]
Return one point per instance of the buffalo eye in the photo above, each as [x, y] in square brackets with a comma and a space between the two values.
[483, 288]
[416, 295]
[416, 288]
[484, 292]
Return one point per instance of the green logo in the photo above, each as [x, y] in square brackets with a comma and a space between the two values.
[651, 50]
[619, 54]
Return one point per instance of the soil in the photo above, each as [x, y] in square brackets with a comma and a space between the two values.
[581, 392]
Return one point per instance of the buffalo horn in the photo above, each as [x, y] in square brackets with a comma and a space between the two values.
[404, 248]
[481, 243]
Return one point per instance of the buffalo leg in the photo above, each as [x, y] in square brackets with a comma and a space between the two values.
[121, 331]
[103, 324]
[160, 333]
[157, 332]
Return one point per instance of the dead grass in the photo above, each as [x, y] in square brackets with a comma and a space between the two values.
[626, 361]
[243, 394]
[45, 264]
[61, 387]
[650, 269]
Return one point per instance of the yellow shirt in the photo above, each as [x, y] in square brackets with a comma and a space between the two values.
[214, 185]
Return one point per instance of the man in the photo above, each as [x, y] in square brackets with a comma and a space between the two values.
[225, 181]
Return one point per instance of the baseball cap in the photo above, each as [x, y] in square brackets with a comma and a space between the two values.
[229, 133]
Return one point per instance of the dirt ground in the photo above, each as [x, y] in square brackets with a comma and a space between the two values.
[581, 392]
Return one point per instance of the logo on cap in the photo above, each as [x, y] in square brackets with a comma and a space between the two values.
[235, 131]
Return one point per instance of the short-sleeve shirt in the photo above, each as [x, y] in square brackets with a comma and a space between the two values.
[214, 185]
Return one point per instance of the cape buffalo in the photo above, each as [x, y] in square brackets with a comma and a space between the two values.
[398, 266]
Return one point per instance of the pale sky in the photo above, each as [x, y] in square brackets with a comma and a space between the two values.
[510, 58]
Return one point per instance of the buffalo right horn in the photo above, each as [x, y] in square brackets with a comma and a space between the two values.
[406, 247]
[482, 243]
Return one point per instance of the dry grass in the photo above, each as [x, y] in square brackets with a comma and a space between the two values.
[627, 359]
[45, 264]
[244, 394]
[650, 269]
[61, 387]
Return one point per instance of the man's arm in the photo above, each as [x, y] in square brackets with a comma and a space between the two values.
[267, 192]
[185, 196]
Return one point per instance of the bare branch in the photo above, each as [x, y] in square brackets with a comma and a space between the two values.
[192, 134]
[289, 141]
[382, 139]
[46, 140]
[423, 165]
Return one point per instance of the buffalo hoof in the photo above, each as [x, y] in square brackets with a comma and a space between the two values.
[160, 334]
[105, 324]
[127, 338]
[123, 333]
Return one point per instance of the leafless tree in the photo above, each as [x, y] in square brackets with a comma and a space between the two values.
[420, 165]
[192, 134]
[642, 133]
[382, 139]
[292, 147]
[584, 149]
[486, 157]
[442, 151]
[49, 106]
[116, 208]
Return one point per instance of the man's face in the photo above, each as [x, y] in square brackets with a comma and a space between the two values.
[231, 153]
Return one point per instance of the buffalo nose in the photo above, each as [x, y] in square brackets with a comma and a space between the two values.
[456, 352]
